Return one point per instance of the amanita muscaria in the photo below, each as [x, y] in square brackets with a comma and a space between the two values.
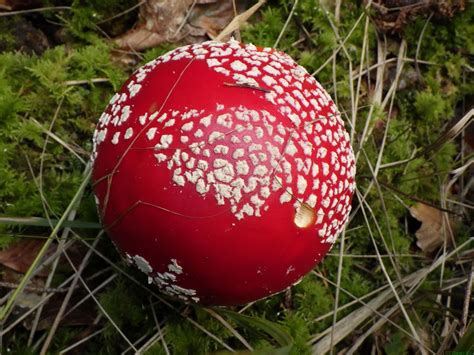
[223, 171]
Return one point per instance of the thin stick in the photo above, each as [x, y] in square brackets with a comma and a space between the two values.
[467, 301]
[41, 9]
[287, 22]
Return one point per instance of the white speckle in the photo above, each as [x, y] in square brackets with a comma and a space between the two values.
[238, 153]
[268, 80]
[212, 62]
[325, 169]
[322, 152]
[265, 192]
[114, 99]
[142, 118]
[174, 267]
[225, 120]
[254, 72]
[169, 123]
[125, 114]
[219, 163]
[123, 98]
[128, 133]
[271, 70]
[160, 157]
[222, 70]
[201, 187]
[253, 147]
[199, 133]
[215, 135]
[260, 170]
[165, 141]
[291, 148]
[115, 138]
[202, 165]
[278, 139]
[235, 139]
[134, 88]
[247, 139]
[322, 231]
[206, 121]
[301, 183]
[221, 149]
[151, 133]
[242, 167]
[178, 179]
[246, 209]
[184, 139]
[190, 163]
[254, 159]
[270, 96]
[163, 118]
[187, 126]
[320, 215]
[237, 65]
[153, 116]
[311, 200]
[286, 196]
[142, 264]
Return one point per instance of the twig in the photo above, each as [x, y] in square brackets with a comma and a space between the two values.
[287, 22]
[41, 9]
[247, 86]
[14, 285]
[122, 13]
[467, 301]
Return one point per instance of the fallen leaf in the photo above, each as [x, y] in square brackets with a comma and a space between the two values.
[19, 256]
[433, 232]
[178, 20]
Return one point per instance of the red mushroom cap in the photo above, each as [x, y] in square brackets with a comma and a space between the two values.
[223, 171]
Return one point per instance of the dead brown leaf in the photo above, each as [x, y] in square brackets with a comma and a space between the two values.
[19, 256]
[433, 231]
[178, 20]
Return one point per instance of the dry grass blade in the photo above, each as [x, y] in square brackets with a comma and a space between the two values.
[287, 22]
[78, 276]
[68, 296]
[158, 297]
[387, 276]
[60, 141]
[82, 341]
[451, 133]
[229, 327]
[40, 9]
[238, 21]
[11, 301]
[346, 325]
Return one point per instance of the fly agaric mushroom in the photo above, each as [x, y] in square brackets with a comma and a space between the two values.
[223, 171]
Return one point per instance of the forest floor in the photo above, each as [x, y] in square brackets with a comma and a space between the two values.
[398, 280]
